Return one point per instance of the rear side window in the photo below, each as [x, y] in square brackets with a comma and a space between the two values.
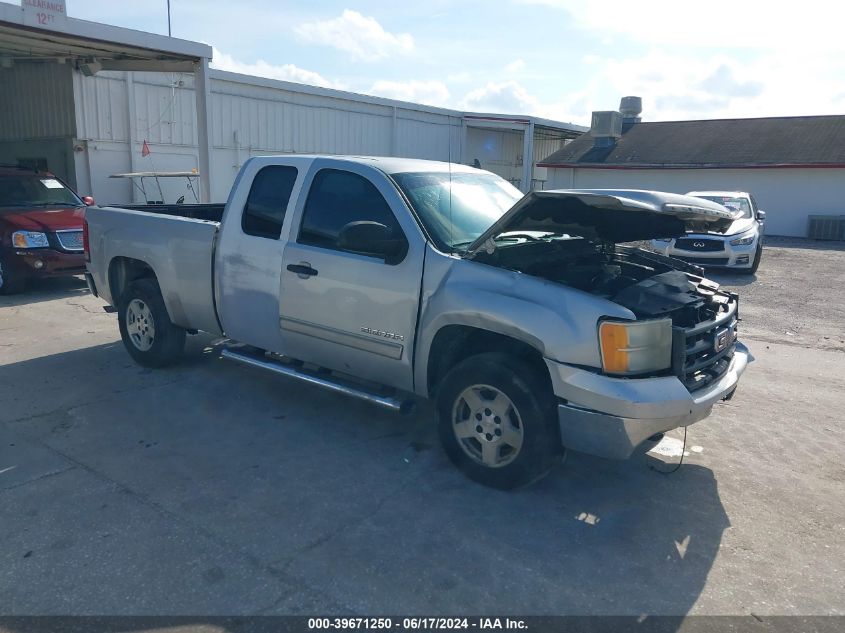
[337, 198]
[268, 199]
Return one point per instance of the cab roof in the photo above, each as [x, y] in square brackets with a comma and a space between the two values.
[724, 194]
[387, 164]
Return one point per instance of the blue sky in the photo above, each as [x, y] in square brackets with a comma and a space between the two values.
[555, 58]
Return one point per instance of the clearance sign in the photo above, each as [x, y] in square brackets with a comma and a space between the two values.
[44, 13]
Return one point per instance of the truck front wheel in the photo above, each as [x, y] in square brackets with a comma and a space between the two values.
[497, 421]
[145, 327]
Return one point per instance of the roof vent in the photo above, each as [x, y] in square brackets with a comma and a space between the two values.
[630, 107]
[606, 128]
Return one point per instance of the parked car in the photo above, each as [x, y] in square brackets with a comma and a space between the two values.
[527, 320]
[40, 228]
[738, 246]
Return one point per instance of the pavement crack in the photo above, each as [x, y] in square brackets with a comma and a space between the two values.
[36, 479]
[85, 308]
[346, 527]
[69, 409]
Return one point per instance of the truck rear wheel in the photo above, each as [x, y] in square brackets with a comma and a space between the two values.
[498, 422]
[145, 327]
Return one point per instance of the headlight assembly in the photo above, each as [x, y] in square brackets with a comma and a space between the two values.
[29, 239]
[635, 347]
[743, 241]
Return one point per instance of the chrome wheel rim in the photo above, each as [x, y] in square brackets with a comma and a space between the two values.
[140, 325]
[487, 426]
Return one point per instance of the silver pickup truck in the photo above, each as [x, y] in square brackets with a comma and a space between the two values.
[528, 319]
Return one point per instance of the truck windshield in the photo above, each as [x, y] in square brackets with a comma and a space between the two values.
[456, 208]
[35, 191]
[734, 203]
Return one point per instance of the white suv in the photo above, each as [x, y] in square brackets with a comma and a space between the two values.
[739, 247]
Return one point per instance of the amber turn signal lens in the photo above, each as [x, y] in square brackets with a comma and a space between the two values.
[631, 348]
[614, 347]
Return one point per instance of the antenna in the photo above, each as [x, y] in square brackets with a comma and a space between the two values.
[451, 224]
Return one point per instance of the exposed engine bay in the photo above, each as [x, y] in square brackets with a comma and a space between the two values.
[648, 284]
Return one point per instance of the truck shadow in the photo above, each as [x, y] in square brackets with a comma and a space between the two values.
[46, 290]
[359, 505]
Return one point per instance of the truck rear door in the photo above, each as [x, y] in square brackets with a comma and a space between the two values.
[249, 252]
[343, 310]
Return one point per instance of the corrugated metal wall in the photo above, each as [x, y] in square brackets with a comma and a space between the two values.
[37, 116]
[252, 116]
[36, 101]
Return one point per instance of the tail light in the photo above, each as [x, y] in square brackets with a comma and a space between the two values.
[85, 248]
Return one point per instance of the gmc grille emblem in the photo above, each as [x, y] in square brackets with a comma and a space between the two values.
[698, 244]
[721, 341]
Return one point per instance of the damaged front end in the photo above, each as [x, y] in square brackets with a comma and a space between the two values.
[581, 239]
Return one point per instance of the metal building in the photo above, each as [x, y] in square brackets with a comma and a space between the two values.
[81, 99]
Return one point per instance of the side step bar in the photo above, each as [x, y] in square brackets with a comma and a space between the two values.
[327, 380]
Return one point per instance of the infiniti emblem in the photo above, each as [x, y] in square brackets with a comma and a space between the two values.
[698, 244]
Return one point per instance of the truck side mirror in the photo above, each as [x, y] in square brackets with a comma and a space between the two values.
[761, 216]
[89, 201]
[372, 238]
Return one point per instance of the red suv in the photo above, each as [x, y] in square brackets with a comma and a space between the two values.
[40, 228]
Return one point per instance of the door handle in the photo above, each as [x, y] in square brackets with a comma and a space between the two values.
[303, 269]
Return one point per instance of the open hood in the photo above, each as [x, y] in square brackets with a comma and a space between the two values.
[611, 215]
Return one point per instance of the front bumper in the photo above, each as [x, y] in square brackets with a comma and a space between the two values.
[730, 257]
[44, 262]
[611, 417]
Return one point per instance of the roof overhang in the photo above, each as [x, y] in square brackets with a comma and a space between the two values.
[103, 46]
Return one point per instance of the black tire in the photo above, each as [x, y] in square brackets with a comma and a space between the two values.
[758, 255]
[531, 398]
[9, 284]
[167, 340]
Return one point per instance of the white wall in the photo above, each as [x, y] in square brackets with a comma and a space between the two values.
[499, 151]
[787, 195]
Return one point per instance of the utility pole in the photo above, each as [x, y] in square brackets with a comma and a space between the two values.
[168, 19]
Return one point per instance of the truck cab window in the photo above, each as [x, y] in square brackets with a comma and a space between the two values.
[267, 202]
[337, 198]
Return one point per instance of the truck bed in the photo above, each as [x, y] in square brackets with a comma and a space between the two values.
[178, 249]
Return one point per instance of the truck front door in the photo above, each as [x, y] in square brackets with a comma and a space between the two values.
[343, 310]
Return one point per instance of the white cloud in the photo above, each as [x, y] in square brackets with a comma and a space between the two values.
[716, 25]
[692, 86]
[511, 97]
[429, 92]
[515, 66]
[506, 97]
[460, 77]
[285, 72]
[360, 36]
[726, 59]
